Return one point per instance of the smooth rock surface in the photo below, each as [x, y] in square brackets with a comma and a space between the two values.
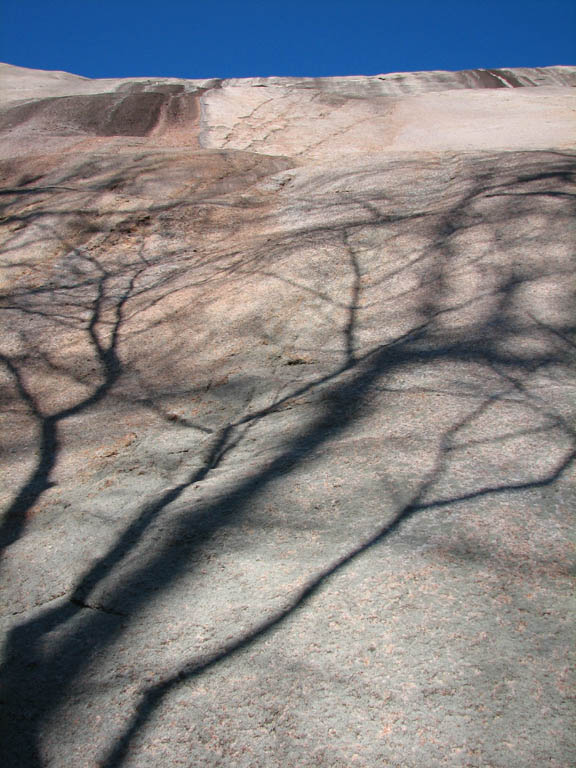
[288, 420]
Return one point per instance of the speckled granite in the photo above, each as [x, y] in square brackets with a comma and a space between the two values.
[288, 421]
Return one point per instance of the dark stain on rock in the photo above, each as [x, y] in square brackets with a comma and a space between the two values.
[103, 114]
[497, 78]
[488, 79]
[510, 78]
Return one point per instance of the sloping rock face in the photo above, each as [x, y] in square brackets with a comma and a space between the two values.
[287, 422]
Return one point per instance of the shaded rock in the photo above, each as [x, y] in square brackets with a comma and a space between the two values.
[287, 419]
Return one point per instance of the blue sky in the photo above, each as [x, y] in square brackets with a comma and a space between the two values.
[222, 38]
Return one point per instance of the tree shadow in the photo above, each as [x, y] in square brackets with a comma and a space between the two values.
[87, 627]
[105, 352]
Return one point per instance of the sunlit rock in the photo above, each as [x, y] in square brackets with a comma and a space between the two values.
[287, 419]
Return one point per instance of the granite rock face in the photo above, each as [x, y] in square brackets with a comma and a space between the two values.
[287, 419]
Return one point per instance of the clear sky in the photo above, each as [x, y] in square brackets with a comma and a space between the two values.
[242, 38]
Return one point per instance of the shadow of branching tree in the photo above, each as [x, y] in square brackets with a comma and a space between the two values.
[439, 269]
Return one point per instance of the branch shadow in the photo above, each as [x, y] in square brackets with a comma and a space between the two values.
[87, 628]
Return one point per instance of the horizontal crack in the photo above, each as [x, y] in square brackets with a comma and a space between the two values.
[102, 608]
[28, 609]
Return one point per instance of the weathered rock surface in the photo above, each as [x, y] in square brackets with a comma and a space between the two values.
[288, 420]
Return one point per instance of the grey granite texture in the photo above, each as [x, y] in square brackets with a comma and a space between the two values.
[288, 421]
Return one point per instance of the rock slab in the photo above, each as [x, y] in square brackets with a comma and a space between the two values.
[288, 420]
